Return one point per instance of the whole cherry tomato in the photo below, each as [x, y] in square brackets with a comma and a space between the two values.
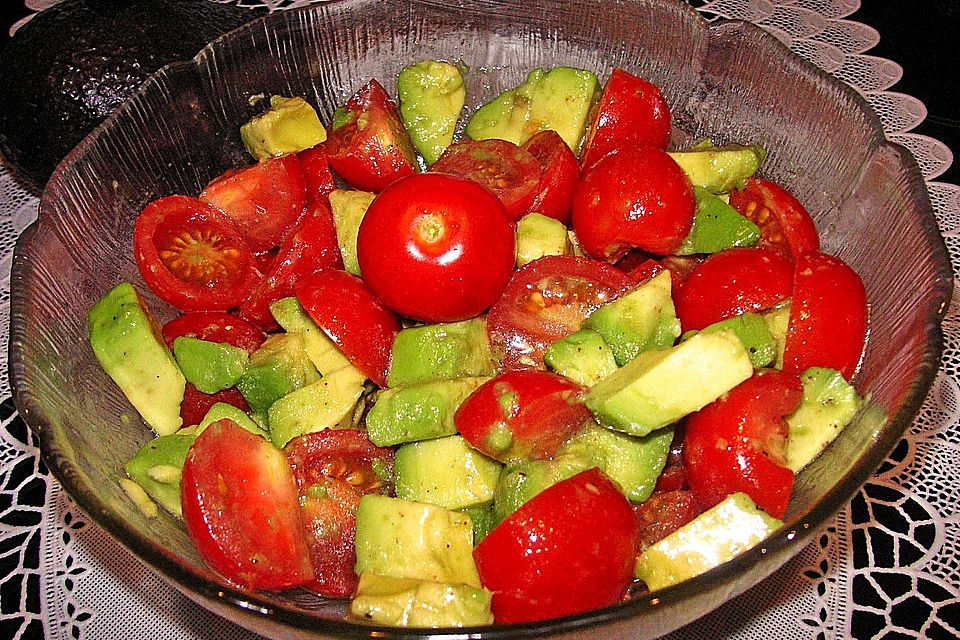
[570, 548]
[436, 248]
[637, 197]
[559, 175]
[732, 282]
[738, 443]
[785, 225]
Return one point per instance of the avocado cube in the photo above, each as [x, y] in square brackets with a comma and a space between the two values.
[407, 602]
[752, 330]
[521, 481]
[289, 126]
[415, 540]
[126, 340]
[322, 351]
[419, 411]
[348, 208]
[441, 352]
[482, 518]
[660, 386]
[829, 404]
[446, 472]
[719, 169]
[717, 226]
[209, 366]
[327, 403]
[715, 536]
[157, 468]
[643, 319]
[538, 236]
[583, 356]
[431, 97]
[279, 366]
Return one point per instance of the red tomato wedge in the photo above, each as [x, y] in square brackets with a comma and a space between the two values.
[522, 415]
[354, 319]
[637, 197]
[571, 548]
[732, 282]
[738, 443]
[214, 326]
[264, 199]
[506, 170]
[196, 403]
[828, 316]
[436, 248]
[242, 511]
[631, 112]
[368, 147]
[785, 226]
[559, 175]
[192, 255]
[309, 246]
[333, 470]
[662, 514]
[317, 178]
[546, 300]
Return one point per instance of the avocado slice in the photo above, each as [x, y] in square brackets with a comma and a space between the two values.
[408, 602]
[719, 169]
[583, 356]
[277, 368]
[829, 404]
[441, 352]
[538, 236]
[327, 403]
[289, 126]
[157, 467]
[446, 472]
[209, 366]
[348, 209]
[322, 351]
[717, 226]
[753, 332]
[559, 99]
[431, 97]
[126, 340]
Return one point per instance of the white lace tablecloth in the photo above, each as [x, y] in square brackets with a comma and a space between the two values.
[890, 561]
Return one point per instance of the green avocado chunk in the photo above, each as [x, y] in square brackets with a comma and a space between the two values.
[715, 536]
[752, 330]
[209, 366]
[640, 320]
[660, 386]
[348, 208]
[559, 99]
[407, 602]
[405, 539]
[521, 481]
[717, 226]
[777, 320]
[279, 366]
[221, 411]
[441, 352]
[327, 403]
[126, 340]
[829, 404]
[431, 97]
[482, 518]
[446, 472]
[157, 468]
[322, 351]
[583, 356]
[538, 236]
[719, 169]
[418, 411]
[289, 126]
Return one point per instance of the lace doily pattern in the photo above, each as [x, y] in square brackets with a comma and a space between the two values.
[888, 560]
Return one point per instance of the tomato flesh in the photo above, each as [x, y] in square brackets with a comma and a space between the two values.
[214, 326]
[242, 511]
[785, 226]
[559, 175]
[318, 180]
[662, 514]
[196, 403]
[570, 548]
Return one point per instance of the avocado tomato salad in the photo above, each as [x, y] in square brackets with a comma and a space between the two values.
[502, 376]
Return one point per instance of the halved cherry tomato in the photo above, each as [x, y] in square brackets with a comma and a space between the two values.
[631, 112]
[192, 255]
[637, 197]
[785, 225]
[546, 300]
[309, 246]
[196, 403]
[570, 548]
[355, 320]
[436, 248]
[522, 415]
[333, 469]
[242, 511]
[828, 316]
[368, 147]
[559, 175]
[214, 326]
[317, 179]
[509, 172]
[264, 199]
[738, 443]
[662, 514]
[732, 282]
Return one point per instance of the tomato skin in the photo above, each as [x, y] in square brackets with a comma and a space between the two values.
[546, 300]
[548, 558]
[333, 470]
[372, 149]
[436, 248]
[317, 179]
[522, 415]
[196, 403]
[662, 514]
[192, 255]
[309, 246]
[509, 172]
[631, 112]
[241, 509]
[785, 225]
[637, 197]
[214, 326]
[356, 321]
[828, 316]
[732, 282]
[559, 175]
[264, 199]
[738, 443]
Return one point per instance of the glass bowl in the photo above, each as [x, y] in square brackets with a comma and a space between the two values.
[726, 80]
